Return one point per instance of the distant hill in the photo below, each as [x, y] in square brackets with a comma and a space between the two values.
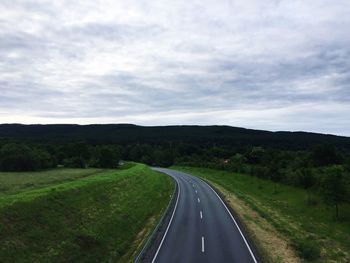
[200, 135]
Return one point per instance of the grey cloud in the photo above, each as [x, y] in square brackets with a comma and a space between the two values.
[112, 31]
[278, 64]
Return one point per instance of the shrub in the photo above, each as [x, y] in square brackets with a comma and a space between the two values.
[308, 249]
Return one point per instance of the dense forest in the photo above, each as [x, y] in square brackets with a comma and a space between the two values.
[202, 136]
[315, 162]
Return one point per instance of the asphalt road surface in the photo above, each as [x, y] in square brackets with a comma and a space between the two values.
[201, 228]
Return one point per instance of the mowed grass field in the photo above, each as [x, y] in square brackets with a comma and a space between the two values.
[80, 215]
[309, 226]
[11, 182]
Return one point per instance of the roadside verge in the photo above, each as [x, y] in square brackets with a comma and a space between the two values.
[266, 242]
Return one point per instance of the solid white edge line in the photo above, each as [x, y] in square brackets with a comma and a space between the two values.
[245, 241]
[202, 244]
[171, 219]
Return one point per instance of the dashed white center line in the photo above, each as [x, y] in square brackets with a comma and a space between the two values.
[201, 214]
[199, 200]
[196, 192]
[203, 244]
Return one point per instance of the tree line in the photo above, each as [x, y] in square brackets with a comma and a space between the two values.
[32, 157]
[323, 168]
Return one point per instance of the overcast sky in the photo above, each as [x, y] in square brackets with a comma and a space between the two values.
[272, 64]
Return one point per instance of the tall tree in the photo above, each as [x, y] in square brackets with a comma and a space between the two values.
[334, 188]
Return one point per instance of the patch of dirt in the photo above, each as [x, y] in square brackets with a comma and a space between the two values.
[273, 246]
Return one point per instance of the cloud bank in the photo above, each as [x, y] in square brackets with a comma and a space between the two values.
[274, 64]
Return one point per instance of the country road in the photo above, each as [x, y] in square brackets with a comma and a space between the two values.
[201, 228]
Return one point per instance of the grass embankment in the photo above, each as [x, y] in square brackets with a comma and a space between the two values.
[285, 225]
[103, 217]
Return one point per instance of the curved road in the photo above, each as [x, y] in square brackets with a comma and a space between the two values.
[201, 228]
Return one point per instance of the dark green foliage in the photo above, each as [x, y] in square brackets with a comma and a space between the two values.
[275, 173]
[308, 249]
[75, 162]
[75, 155]
[334, 187]
[45, 159]
[19, 157]
[260, 171]
[325, 154]
[106, 157]
[238, 162]
[31, 157]
[305, 178]
[347, 165]
[255, 155]
[189, 137]
[80, 149]
[163, 158]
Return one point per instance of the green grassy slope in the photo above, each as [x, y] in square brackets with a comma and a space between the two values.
[311, 228]
[93, 219]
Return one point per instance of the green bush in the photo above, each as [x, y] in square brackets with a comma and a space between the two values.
[308, 249]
